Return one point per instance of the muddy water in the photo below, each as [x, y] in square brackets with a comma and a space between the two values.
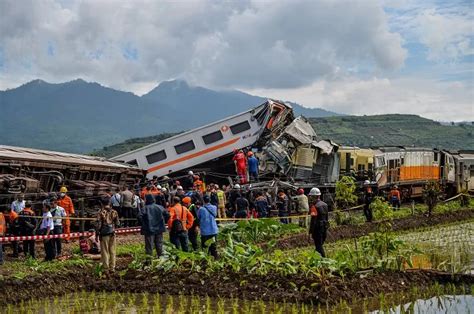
[148, 303]
[442, 304]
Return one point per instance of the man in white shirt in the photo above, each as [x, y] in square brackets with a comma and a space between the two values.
[19, 204]
[57, 211]
[47, 228]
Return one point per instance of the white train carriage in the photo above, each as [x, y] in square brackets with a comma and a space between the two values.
[208, 142]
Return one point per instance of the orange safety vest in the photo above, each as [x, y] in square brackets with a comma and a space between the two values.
[3, 225]
[13, 216]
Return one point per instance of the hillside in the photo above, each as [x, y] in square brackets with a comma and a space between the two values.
[381, 130]
[394, 130]
[81, 116]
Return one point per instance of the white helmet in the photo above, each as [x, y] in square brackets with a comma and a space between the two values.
[164, 190]
[158, 187]
[190, 173]
[315, 191]
[216, 186]
[237, 186]
[366, 182]
[179, 187]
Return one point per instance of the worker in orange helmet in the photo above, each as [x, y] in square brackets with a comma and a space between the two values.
[241, 166]
[66, 202]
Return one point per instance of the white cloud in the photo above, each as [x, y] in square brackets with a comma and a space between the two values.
[442, 101]
[217, 43]
[448, 36]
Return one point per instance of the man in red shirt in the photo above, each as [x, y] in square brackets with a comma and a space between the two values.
[241, 166]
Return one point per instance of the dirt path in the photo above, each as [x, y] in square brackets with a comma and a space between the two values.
[297, 288]
[355, 231]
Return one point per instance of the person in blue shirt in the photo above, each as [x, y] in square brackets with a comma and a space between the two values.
[252, 161]
[207, 220]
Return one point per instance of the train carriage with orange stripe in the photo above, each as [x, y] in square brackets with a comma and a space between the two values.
[209, 143]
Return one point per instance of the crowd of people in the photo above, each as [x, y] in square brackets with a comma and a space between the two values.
[187, 208]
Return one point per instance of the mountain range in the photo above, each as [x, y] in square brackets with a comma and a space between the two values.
[80, 116]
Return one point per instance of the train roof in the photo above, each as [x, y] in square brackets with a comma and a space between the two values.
[13, 153]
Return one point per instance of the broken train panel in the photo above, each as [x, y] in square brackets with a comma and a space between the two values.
[297, 155]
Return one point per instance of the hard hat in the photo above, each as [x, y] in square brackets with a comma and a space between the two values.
[187, 200]
[216, 186]
[63, 189]
[237, 186]
[300, 191]
[190, 173]
[395, 186]
[366, 182]
[315, 191]
[158, 187]
[179, 187]
[164, 190]
[250, 154]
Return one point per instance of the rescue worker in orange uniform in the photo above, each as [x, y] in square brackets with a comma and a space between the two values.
[198, 184]
[3, 230]
[66, 202]
[14, 230]
[181, 220]
[240, 162]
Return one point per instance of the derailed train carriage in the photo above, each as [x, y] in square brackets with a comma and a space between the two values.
[37, 173]
[288, 148]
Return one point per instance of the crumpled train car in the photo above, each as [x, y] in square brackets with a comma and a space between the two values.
[36, 173]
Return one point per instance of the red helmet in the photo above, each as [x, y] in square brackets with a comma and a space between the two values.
[300, 192]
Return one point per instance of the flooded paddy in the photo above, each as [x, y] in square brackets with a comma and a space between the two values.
[92, 302]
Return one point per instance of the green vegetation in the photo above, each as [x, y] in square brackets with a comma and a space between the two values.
[129, 145]
[394, 130]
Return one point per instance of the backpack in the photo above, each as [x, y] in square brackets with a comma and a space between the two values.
[177, 225]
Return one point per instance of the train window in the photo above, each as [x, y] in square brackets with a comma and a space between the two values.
[133, 162]
[212, 137]
[185, 147]
[156, 157]
[240, 127]
[435, 156]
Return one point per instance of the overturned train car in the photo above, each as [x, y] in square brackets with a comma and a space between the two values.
[37, 173]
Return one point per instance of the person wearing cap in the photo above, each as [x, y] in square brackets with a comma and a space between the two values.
[27, 228]
[59, 212]
[47, 228]
[319, 223]
[180, 193]
[207, 221]
[193, 232]
[66, 202]
[302, 206]
[153, 219]
[252, 161]
[188, 181]
[179, 223]
[240, 163]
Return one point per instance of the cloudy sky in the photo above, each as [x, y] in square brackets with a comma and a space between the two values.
[354, 57]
